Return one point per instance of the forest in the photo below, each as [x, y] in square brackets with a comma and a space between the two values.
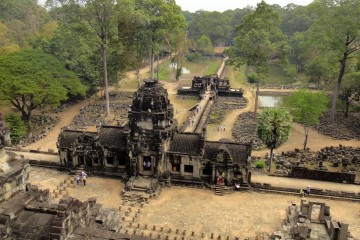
[81, 46]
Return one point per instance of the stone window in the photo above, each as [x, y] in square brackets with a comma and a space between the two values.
[188, 168]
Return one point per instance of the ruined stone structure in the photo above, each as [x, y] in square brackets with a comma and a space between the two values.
[312, 220]
[14, 173]
[213, 83]
[151, 145]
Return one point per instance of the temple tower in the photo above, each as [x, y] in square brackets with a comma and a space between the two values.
[152, 127]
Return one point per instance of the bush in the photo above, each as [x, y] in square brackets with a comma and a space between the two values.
[17, 128]
[253, 77]
[260, 164]
[194, 57]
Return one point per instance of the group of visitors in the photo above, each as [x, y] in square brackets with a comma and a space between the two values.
[147, 165]
[305, 191]
[221, 128]
[81, 177]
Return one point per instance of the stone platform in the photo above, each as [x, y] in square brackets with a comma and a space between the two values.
[140, 189]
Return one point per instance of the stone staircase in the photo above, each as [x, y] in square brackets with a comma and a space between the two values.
[219, 190]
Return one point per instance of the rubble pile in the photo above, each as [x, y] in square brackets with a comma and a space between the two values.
[223, 105]
[244, 130]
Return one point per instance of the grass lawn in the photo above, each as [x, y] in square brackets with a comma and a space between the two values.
[277, 76]
[213, 65]
[236, 77]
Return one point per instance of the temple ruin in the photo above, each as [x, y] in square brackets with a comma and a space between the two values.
[151, 145]
[221, 87]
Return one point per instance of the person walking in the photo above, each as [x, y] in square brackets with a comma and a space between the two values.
[77, 178]
[84, 179]
[302, 193]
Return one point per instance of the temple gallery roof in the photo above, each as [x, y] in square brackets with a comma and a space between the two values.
[186, 143]
[113, 136]
[68, 137]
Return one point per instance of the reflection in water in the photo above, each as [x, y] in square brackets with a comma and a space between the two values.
[269, 101]
[184, 70]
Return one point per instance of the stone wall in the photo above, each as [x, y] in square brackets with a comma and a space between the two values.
[340, 177]
[14, 180]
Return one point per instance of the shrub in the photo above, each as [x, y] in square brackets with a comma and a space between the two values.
[194, 57]
[260, 164]
[17, 128]
[253, 77]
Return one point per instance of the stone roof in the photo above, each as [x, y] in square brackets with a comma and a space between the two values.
[68, 137]
[187, 143]
[238, 152]
[113, 137]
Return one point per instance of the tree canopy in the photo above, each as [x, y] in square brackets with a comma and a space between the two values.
[32, 79]
[307, 107]
[259, 39]
[273, 128]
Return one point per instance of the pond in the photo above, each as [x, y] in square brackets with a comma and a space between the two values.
[184, 70]
[269, 101]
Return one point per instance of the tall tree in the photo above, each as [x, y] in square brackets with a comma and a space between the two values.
[100, 17]
[32, 79]
[165, 18]
[307, 107]
[259, 39]
[205, 46]
[273, 128]
[335, 32]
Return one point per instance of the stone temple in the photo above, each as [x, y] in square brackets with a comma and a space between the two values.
[151, 145]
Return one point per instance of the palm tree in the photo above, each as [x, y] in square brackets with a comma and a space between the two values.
[273, 128]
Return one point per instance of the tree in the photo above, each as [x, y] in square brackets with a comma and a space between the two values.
[259, 40]
[307, 107]
[335, 32]
[32, 79]
[350, 90]
[204, 46]
[100, 17]
[164, 19]
[273, 128]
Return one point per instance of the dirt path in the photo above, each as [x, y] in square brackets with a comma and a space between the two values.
[212, 131]
[66, 116]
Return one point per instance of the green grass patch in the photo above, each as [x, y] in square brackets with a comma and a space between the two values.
[236, 77]
[278, 76]
[213, 66]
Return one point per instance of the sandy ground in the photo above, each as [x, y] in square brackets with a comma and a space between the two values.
[242, 214]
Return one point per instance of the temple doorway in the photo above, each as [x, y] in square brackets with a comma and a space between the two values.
[147, 165]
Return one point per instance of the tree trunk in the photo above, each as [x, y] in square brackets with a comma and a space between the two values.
[306, 129]
[270, 159]
[157, 67]
[152, 63]
[337, 88]
[26, 116]
[347, 106]
[137, 72]
[107, 104]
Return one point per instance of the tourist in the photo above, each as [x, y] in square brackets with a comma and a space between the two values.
[237, 186]
[84, 179]
[308, 189]
[302, 192]
[148, 164]
[77, 178]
